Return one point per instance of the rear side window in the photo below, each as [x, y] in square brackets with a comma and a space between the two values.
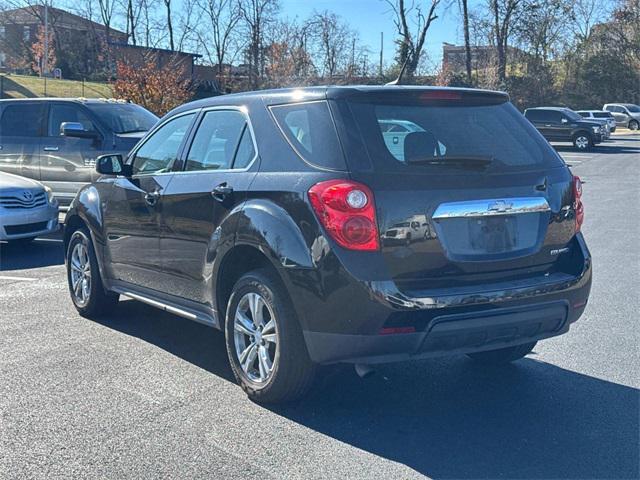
[221, 138]
[438, 136]
[584, 114]
[21, 121]
[602, 114]
[309, 129]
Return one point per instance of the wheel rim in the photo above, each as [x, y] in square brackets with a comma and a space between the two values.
[582, 142]
[80, 273]
[255, 333]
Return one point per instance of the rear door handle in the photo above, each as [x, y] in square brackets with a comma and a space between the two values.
[221, 192]
[51, 149]
[152, 198]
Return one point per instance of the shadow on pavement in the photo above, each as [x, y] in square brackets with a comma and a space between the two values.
[39, 253]
[445, 418]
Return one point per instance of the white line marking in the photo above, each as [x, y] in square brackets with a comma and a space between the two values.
[23, 279]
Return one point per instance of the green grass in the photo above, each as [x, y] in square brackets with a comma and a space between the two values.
[23, 86]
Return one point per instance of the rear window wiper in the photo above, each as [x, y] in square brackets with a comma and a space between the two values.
[453, 160]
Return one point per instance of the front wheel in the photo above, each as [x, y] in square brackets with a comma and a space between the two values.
[85, 285]
[503, 355]
[634, 125]
[265, 344]
[582, 141]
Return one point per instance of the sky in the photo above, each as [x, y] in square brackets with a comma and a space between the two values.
[370, 17]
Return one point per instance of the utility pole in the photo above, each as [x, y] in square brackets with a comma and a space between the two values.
[381, 49]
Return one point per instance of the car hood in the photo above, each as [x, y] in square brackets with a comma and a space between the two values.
[9, 181]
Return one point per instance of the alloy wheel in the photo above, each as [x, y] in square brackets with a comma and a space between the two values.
[80, 273]
[582, 142]
[255, 337]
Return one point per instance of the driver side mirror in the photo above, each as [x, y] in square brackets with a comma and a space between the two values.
[112, 164]
[76, 130]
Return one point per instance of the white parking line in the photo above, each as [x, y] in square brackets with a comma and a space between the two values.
[19, 279]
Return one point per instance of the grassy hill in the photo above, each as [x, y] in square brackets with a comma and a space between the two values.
[23, 86]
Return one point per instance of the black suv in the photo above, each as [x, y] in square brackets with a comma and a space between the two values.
[57, 140]
[269, 215]
[559, 124]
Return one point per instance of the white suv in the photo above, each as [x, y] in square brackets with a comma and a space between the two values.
[626, 114]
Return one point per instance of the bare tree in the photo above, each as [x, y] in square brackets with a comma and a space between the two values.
[167, 6]
[333, 39]
[467, 41]
[503, 13]
[408, 18]
[257, 15]
[223, 18]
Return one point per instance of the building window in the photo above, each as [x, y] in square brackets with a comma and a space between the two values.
[26, 33]
[3, 32]
[3, 59]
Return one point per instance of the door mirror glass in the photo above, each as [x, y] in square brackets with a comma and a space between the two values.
[110, 165]
[76, 130]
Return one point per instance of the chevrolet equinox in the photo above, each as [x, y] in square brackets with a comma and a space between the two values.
[274, 216]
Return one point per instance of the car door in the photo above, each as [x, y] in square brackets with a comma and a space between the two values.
[134, 207]
[21, 127]
[557, 126]
[218, 169]
[68, 163]
[619, 114]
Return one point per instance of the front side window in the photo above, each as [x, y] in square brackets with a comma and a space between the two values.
[161, 149]
[21, 120]
[59, 114]
[219, 140]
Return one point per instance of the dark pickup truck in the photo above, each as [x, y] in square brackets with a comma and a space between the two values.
[558, 124]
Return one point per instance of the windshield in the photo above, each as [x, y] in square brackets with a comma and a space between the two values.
[632, 108]
[450, 137]
[124, 117]
[572, 115]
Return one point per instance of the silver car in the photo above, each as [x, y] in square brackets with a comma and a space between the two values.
[27, 209]
[626, 114]
[600, 115]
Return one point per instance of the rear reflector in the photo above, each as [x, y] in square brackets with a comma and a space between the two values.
[394, 330]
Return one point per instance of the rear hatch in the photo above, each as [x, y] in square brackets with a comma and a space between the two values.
[465, 188]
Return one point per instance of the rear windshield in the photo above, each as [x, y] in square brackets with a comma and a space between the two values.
[124, 118]
[452, 136]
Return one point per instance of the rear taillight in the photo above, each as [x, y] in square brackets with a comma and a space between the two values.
[347, 211]
[577, 202]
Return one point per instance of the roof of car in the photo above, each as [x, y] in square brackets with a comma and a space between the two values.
[62, 99]
[558, 109]
[307, 94]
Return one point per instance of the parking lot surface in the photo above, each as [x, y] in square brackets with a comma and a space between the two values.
[145, 394]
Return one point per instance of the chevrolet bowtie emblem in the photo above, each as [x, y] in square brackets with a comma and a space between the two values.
[500, 206]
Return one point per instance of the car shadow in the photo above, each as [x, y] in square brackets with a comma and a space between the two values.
[445, 418]
[39, 253]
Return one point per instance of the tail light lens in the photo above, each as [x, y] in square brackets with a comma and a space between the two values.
[347, 211]
[577, 202]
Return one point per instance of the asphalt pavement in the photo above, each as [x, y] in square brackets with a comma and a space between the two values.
[145, 394]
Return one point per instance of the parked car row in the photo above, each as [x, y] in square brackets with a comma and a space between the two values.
[584, 128]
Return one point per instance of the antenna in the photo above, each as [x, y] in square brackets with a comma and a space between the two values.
[398, 80]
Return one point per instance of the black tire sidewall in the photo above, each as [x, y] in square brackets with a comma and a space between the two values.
[634, 122]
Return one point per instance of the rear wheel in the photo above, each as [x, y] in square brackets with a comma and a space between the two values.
[634, 125]
[83, 276]
[265, 345]
[503, 355]
[582, 141]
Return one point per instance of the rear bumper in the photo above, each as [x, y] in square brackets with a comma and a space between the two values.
[445, 321]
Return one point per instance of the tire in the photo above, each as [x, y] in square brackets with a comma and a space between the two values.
[503, 355]
[634, 125]
[292, 371]
[582, 141]
[90, 299]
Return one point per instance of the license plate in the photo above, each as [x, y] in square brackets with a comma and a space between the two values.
[493, 234]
